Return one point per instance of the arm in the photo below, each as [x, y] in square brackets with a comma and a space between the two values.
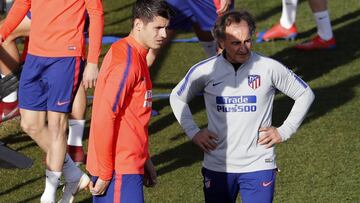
[115, 82]
[96, 27]
[224, 6]
[149, 174]
[297, 114]
[14, 18]
[182, 94]
[291, 85]
[188, 88]
[271, 135]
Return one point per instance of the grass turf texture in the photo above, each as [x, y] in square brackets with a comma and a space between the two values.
[321, 163]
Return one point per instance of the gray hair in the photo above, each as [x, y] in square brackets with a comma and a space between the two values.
[232, 17]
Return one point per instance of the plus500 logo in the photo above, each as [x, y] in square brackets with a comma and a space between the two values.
[236, 108]
[236, 103]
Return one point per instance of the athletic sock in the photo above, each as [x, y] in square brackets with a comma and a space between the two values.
[323, 25]
[11, 97]
[288, 14]
[209, 47]
[76, 131]
[51, 183]
[71, 172]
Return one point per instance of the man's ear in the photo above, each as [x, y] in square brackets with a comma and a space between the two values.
[138, 24]
[221, 43]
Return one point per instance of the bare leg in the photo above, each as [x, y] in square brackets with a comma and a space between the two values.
[325, 37]
[206, 40]
[57, 124]
[318, 5]
[322, 18]
[79, 106]
[288, 14]
[51, 138]
[34, 124]
[204, 36]
[76, 127]
[9, 53]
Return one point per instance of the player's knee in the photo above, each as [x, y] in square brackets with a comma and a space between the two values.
[30, 128]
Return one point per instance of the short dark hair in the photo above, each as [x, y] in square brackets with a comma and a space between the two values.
[146, 10]
[232, 17]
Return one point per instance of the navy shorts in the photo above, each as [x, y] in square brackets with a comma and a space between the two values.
[188, 12]
[28, 14]
[254, 187]
[124, 188]
[50, 83]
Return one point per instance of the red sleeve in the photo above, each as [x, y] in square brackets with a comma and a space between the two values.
[15, 16]
[115, 81]
[96, 29]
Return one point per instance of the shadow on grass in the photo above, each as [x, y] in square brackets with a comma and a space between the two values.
[326, 99]
[159, 62]
[197, 104]
[180, 156]
[342, 19]
[164, 85]
[314, 64]
[20, 185]
[16, 138]
[88, 200]
[33, 198]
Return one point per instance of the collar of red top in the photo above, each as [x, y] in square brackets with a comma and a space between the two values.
[141, 49]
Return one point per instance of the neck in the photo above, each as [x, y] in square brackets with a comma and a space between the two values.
[137, 38]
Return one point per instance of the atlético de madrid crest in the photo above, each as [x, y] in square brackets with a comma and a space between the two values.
[254, 81]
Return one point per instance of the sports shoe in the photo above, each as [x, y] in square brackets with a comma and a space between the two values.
[317, 43]
[8, 110]
[277, 32]
[77, 154]
[72, 188]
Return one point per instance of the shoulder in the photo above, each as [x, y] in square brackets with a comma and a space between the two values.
[206, 65]
[122, 53]
[266, 62]
[120, 47]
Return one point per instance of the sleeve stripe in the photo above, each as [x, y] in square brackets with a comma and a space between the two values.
[123, 81]
[183, 86]
[301, 81]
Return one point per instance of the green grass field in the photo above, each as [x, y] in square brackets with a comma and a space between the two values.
[321, 163]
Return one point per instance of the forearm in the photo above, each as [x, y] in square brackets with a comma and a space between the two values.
[105, 156]
[183, 114]
[103, 122]
[96, 29]
[297, 114]
[14, 17]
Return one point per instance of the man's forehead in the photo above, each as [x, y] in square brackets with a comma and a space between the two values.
[237, 25]
[158, 20]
